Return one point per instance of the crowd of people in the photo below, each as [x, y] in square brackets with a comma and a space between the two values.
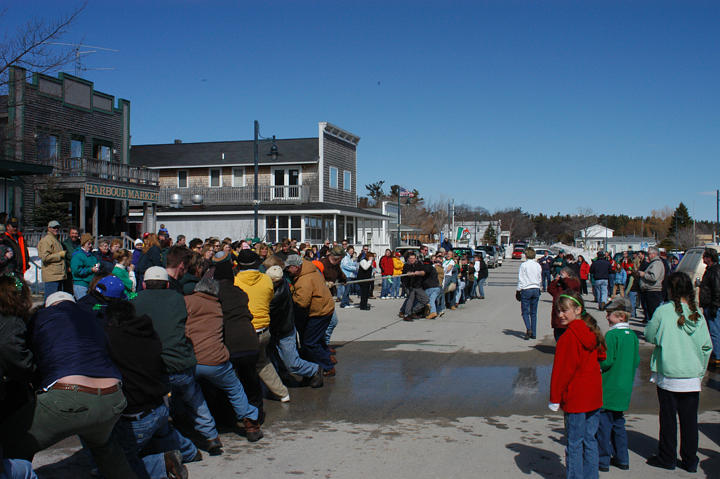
[593, 374]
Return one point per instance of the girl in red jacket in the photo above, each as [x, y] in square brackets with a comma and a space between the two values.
[576, 384]
[584, 274]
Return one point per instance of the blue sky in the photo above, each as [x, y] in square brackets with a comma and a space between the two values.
[550, 106]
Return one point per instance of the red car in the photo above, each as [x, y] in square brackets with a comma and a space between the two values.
[518, 252]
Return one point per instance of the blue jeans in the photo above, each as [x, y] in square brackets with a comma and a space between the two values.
[395, 292]
[340, 291]
[433, 294]
[188, 391]
[16, 469]
[601, 290]
[79, 290]
[480, 284]
[449, 297]
[386, 287]
[459, 290]
[581, 453]
[633, 301]
[287, 350]
[312, 339]
[612, 438]
[346, 294]
[52, 287]
[331, 327]
[713, 323]
[528, 305]
[223, 377]
[546, 279]
[611, 281]
[154, 430]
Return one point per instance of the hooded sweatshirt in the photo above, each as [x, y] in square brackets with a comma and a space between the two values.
[618, 368]
[259, 288]
[204, 328]
[576, 382]
[310, 292]
[681, 351]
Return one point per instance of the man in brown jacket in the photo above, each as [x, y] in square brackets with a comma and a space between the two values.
[314, 307]
[52, 256]
[204, 328]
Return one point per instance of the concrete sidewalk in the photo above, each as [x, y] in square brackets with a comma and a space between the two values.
[462, 396]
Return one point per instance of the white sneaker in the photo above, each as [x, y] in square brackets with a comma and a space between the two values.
[285, 398]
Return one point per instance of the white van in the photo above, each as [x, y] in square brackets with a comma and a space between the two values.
[692, 263]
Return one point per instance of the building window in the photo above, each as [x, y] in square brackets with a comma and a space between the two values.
[102, 150]
[333, 177]
[215, 178]
[47, 148]
[76, 148]
[313, 229]
[286, 183]
[238, 176]
[280, 227]
[347, 180]
[182, 179]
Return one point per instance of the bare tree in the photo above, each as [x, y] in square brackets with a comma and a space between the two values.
[30, 46]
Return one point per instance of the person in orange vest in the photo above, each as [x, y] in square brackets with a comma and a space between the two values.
[14, 239]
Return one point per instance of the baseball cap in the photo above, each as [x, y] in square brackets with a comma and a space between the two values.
[619, 304]
[53, 224]
[337, 251]
[156, 273]
[138, 242]
[293, 260]
[111, 287]
[275, 273]
[57, 297]
[12, 221]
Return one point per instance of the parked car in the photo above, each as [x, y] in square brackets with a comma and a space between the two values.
[692, 263]
[462, 251]
[490, 255]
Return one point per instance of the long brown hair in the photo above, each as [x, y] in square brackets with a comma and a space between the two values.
[149, 242]
[15, 297]
[679, 288]
[571, 299]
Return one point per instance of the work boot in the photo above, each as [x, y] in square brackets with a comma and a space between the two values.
[601, 307]
[174, 466]
[329, 373]
[316, 381]
[212, 446]
[252, 429]
[432, 316]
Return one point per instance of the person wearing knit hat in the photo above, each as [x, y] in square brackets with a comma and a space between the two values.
[259, 288]
[283, 333]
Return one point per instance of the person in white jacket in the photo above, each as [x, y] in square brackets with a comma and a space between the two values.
[528, 292]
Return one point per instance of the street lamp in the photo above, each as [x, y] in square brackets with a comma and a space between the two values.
[273, 154]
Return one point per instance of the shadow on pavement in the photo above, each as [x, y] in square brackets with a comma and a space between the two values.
[545, 348]
[711, 465]
[711, 430]
[641, 444]
[531, 459]
[512, 332]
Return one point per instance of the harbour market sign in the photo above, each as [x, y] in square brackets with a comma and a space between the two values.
[95, 190]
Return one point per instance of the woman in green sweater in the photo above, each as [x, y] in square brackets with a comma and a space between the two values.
[678, 363]
[124, 270]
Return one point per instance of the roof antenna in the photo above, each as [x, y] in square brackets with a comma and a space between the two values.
[79, 53]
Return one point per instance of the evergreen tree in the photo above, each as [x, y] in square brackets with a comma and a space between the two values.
[679, 220]
[490, 236]
[51, 205]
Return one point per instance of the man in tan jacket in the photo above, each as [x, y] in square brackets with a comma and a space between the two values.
[52, 256]
[314, 307]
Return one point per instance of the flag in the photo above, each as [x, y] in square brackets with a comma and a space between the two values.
[404, 192]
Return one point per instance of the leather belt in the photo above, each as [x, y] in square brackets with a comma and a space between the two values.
[138, 416]
[85, 389]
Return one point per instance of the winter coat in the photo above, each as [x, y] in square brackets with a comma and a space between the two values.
[397, 266]
[310, 292]
[16, 365]
[620, 277]
[411, 282]
[618, 368]
[127, 279]
[20, 261]
[188, 282]
[386, 265]
[576, 382]
[106, 261]
[681, 351]
[710, 290]
[52, 255]
[556, 288]
[600, 269]
[259, 288]
[282, 314]
[204, 328]
[654, 275]
[349, 267]
[149, 259]
[136, 350]
[239, 333]
[167, 310]
[81, 264]
[584, 270]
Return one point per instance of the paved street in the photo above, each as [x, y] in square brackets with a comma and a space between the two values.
[463, 396]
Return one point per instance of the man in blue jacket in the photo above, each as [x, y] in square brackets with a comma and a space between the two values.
[600, 271]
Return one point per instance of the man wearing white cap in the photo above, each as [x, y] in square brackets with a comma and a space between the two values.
[52, 256]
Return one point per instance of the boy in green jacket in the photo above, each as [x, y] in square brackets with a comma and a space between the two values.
[618, 373]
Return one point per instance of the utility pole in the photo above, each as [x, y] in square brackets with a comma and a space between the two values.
[717, 214]
[256, 199]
